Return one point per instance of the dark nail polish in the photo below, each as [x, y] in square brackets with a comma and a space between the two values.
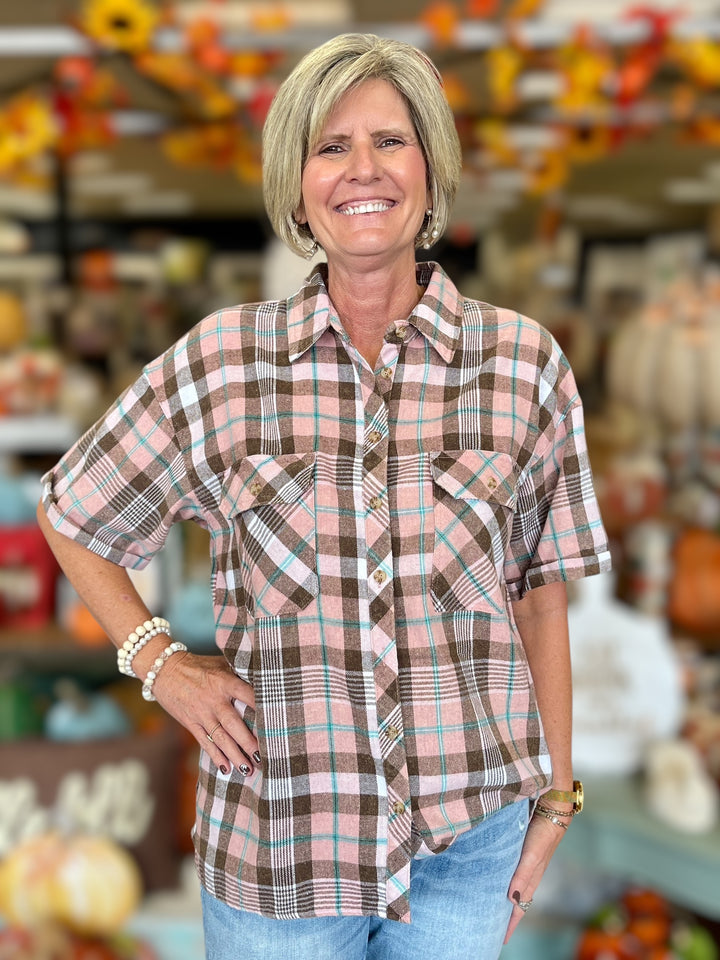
[223, 769]
[244, 769]
[516, 896]
[256, 756]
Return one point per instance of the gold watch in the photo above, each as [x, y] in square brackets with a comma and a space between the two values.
[576, 796]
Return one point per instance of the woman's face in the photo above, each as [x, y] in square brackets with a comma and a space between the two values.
[364, 186]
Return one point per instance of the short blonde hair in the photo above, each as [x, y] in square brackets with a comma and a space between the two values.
[309, 94]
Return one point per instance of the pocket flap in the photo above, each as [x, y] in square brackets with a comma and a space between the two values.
[476, 475]
[261, 479]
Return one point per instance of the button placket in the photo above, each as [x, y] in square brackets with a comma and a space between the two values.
[382, 625]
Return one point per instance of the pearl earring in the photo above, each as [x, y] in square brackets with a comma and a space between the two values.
[429, 236]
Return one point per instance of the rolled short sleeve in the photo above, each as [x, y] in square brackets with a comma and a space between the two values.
[558, 532]
[118, 490]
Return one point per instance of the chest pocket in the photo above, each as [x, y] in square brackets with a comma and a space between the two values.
[474, 495]
[270, 502]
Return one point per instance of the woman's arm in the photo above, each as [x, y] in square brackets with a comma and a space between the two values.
[541, 618]
[197, 691]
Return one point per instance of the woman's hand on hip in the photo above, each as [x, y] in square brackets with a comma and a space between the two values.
[200, 692]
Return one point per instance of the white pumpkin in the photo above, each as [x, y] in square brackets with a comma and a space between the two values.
[89, 884]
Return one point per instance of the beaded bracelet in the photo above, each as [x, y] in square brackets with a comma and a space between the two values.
[174, 647]
[539, 811]
[137, 640]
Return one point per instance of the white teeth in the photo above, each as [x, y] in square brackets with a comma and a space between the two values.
[365, 208]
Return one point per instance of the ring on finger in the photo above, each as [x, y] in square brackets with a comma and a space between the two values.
[524, 904]
[210, 735]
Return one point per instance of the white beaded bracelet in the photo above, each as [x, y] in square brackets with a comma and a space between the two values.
[137, 640]
[174, 647]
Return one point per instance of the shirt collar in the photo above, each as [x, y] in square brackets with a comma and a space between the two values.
[438, 315]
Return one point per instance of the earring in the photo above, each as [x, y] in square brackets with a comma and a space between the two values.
[429, 236]
[313, 249]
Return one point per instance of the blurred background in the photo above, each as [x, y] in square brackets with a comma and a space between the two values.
[130, 207]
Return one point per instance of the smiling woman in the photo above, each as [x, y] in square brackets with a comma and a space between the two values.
[307, 98]
[364, 184]
[396, 484]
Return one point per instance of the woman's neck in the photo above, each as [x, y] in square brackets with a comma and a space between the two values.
[367, 302]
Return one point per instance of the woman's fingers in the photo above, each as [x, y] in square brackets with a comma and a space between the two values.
[541, 842]
[205, 696]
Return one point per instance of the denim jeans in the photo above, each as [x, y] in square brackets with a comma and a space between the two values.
[458, 902]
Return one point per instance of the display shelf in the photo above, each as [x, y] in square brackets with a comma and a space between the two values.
[49, 650]
[41, 433]
[617, 835]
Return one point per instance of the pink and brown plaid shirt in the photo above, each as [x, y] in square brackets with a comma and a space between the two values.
[368, 531]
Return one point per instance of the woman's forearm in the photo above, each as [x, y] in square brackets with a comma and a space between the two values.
[541, 618]
[105, 588]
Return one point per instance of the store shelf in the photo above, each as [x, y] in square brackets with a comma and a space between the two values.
[617, 835]
[49, 650]
[42, 433]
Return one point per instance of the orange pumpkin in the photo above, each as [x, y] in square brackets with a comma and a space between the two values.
[694, 590]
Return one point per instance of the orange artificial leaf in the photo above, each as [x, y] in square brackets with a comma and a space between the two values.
[635, 75]
[493, 137]
[272, 19]
[481, 8]
[201, 33]
[174, 70]
[504, 65]
[683, 101]
[457, 93]
[213, 145]
[250, 64]
[522, 9]
[699, 58]
[588, 69]
[28, 128]
[706, 130]
[588, 142]
[442, 19]
[548, 173]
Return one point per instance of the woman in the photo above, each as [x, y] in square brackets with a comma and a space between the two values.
[396, 486]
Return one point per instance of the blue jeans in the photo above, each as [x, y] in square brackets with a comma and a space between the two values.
[458, 901]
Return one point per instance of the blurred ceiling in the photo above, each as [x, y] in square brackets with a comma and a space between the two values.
[657, 181]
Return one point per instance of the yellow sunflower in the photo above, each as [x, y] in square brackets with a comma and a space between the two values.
[27, 129]
[125, 25]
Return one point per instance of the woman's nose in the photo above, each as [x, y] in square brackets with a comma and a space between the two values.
[363, 164]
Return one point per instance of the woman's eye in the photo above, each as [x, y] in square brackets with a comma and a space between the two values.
[331, 148]
[390, 141]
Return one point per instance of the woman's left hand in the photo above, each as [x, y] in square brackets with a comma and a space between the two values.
[540, 844]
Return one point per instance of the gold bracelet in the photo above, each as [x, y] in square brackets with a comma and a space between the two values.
[548, 816]
[557, 813]
[576, 796]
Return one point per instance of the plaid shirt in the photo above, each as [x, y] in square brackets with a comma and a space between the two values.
[368, 530]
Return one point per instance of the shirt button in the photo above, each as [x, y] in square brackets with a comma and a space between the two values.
[401, 332]
[492, 483]
[374, 436]
[379, 576]
[398, 807]
[393, 732]
[386, 373]
[255, 488]
[375, 503]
